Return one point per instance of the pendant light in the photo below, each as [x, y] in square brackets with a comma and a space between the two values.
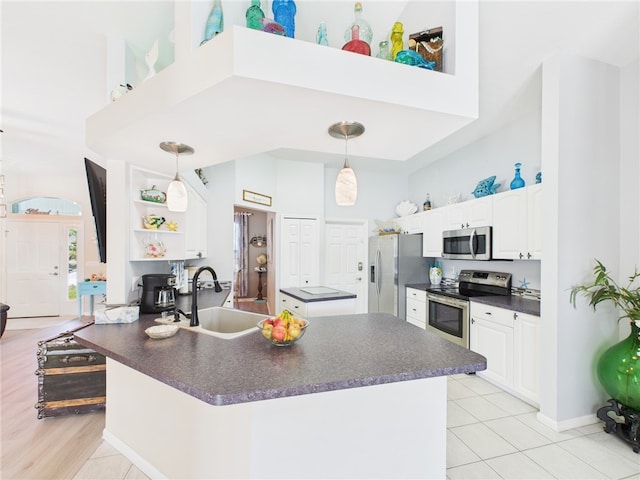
[346, 183]
[177, 193]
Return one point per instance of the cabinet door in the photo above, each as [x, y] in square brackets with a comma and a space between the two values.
[526, 348]
[510, 225]
[495, 342]
[474, 213]
[415, 223]
[196, 226]
[434, 223]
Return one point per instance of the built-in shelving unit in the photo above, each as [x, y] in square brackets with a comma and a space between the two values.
[247, 92]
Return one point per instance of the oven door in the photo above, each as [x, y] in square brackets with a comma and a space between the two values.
[448, 317]
[467, 244]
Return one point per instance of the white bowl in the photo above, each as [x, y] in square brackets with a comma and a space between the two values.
[162, 331]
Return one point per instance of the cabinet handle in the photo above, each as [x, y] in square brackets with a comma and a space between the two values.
[515, 315]
[473, 320]
[520, 255]
[487, 313]
[528, 254]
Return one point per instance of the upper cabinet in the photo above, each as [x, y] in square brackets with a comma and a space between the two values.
[473, 213]
[246, 92]
[517, 222]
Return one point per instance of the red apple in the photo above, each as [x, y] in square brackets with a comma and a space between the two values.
[279, 333]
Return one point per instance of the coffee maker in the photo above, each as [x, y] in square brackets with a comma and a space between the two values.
[158, 292]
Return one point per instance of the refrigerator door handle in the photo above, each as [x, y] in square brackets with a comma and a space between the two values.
[378, 272]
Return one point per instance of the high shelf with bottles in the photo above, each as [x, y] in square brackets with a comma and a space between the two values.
[171, 239]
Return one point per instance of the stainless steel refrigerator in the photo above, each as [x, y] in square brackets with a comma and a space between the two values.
[395, 261]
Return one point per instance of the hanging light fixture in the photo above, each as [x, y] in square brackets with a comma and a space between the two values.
[177, 193]
[346, 183]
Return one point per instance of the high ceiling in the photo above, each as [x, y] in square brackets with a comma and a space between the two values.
[54, 71]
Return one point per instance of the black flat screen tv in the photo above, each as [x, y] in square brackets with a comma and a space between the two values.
[97, 181]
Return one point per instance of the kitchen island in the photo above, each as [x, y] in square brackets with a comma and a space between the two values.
[359, 396]
[317, 301]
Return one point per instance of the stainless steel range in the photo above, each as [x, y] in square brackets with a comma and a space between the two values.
[448, 303]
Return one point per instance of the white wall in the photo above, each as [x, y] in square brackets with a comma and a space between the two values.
[580, 152]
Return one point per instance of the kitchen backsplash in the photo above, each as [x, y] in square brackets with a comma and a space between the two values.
[525, 273]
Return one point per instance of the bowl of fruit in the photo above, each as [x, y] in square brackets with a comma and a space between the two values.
[284, 329]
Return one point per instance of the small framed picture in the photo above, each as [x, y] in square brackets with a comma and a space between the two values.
[253, 197]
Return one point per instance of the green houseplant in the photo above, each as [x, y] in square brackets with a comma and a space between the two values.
[618, 368]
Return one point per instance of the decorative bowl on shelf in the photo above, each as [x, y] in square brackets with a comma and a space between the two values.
[283, 332]
[153, 195]
[162, 331]
[152, 222]
[155, 249]
[406, 208]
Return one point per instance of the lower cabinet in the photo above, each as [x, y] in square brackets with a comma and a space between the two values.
[510, 342]
[417, 307]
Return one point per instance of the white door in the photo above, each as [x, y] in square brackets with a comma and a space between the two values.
[345, 259]
[34, 274]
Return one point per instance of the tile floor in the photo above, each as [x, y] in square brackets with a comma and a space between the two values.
[491, 435]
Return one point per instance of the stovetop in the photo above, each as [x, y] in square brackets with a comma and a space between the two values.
[474, 283]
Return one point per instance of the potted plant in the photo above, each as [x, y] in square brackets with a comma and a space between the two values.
[618, 368]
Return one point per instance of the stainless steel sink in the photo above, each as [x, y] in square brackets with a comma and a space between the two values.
[220, 322]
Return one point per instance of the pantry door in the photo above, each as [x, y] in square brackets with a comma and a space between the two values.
[34, 275]
[345, 258]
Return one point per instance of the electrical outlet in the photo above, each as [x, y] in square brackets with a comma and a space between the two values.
[134, 283]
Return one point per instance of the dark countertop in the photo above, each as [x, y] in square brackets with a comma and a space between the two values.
[517, 303]
[337, 352]
[512, 302]
[305, 297]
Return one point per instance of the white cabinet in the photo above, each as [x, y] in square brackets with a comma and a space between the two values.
[182, 235]
[434, 225]
[517, 224]
[196, 226]
[510, 342]
[417, 307]
[300, 253]
[411, 223]
[474, 213]
[344, 306]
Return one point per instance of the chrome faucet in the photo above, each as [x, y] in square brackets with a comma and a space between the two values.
[194, 293]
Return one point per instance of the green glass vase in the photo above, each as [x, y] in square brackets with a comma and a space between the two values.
[618, 370]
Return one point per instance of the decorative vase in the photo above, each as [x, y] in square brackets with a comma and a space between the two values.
[517, 181]
[435, 275]
[397, 43]
[321, 36]
[356, 45]
[618, 370]
[385, 50]
[366, 34]
[284, 12]
[254, 15]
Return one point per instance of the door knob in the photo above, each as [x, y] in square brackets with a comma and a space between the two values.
[359, 279]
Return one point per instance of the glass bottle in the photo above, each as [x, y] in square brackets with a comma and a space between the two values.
[364, 28]
[254, 15]
[215, 22]
[355, 44]
[385, 51]
[397, 43]
[284, 12]
[321, 36]
[518, 181]
[427, 204]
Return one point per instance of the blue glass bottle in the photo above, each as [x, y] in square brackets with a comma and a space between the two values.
[284, 12]
[321, 36]
[518, 181]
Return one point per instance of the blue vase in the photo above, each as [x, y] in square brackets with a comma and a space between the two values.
[284, 12]
[517, 181]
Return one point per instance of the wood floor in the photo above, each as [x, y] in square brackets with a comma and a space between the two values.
[50, 448]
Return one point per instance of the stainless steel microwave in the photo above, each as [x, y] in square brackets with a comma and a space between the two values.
[467, 244]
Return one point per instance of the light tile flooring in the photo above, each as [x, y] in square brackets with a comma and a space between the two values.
[491, 435]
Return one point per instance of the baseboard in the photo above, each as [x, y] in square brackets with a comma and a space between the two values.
[567, 424]
[148, 469]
